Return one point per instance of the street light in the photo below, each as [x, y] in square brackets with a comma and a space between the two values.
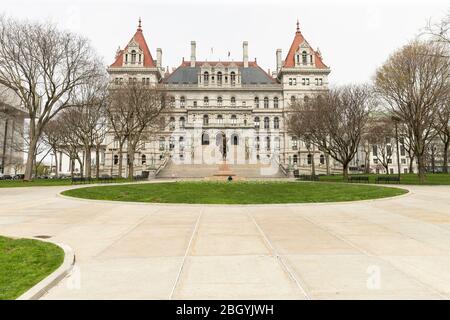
[396, 121]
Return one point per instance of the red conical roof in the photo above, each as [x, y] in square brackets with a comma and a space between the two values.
[140, 40]
[289, 62]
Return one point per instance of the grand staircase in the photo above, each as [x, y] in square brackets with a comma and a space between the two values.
[172, 170]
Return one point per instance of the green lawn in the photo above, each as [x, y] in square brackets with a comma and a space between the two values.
[408, 178]
[44, 182]
[235, 192]
[23, 263]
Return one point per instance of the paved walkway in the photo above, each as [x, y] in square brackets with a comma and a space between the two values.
[396, 248]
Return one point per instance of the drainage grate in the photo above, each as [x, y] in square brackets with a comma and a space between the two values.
[43, 236]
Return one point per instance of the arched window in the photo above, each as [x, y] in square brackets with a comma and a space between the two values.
[172, 102]
[116, 159]
[206, 77]
[309, 158]
[181, 143]
[294, 143]
[276, 123]
[275, 102]
[257, 122]
[292, 99]
[268, 143]
[235, 140]
[205, 120]
[304, 57]
[205, 101]
[219, 119]
[233, 101]
[295, 159]
[171, 143]
[322, 159]
[305, 99]
[162, 144]
[277, 143]
[219, 101]
[143, 159]
[182, 102]
[256, 102]
[205, 139]
[133, 57]
[219, 78]
[233, 78]
[172, 123]
[182, 122]
[233, 119]
[266, 103]
[266, 123]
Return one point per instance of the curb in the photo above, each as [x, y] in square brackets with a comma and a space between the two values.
[54, 278]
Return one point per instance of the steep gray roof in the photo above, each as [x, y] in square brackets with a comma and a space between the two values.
[188, 75]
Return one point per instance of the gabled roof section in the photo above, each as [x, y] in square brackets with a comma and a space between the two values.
[140, 40]
[185, 74]
[289, 62]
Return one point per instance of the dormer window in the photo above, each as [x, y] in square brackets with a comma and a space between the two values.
[219, 78]
[219, 101]
[206, 78]
[233, 78]
[133, 57]
[304, 57]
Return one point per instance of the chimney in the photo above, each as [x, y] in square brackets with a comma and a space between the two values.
[278, 60]
[245, 53]
[159, 57]
[192, 54]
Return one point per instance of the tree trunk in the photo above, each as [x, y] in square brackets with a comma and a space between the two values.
[445, 157]
[327, 160]
[87, 162]
[130, 161]
[421, 161]
[120, 160]
[411, 162]
[56, 164]
[72, 164]
[30, 159]
[81, 167]
[97, 163]
[313, 164]
[345, 171]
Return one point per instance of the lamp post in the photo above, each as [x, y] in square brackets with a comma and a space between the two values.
[396, 121]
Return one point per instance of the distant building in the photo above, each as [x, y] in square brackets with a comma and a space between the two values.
[12, 120]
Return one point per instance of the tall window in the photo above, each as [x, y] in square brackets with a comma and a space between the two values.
[294, 143]
[206, 78]
[133, 57]
[219, 78]
[266, 103]
[143, 159]
[205, 139]
[219, 119]
[219, 101]
[233, 119]
[162, 144]
[182, 102]
[205, 101]
[172, 102]
[276, 123]
[322, 159]
[275, 102]
[205, 119]
[172, 123]
[266, 123]
[233, 101]
[257, 122]
[304, 57]
[309, 159]
[235, 140]
[292, 99]
[268, 143]
[256, 102]
[116, 159]
[233, 78]
[182, 122]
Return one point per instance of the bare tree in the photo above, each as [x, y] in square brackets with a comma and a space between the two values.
[335, 122]
[440, 31]
[70, 143]
[84, 118]
[380, 132]
[52, 137]
[443, 129]
[134, 112]
[43, 66]
[414, 82]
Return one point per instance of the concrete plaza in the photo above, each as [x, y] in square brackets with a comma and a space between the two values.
[394, 248]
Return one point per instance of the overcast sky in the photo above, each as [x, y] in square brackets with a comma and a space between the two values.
[354, 37]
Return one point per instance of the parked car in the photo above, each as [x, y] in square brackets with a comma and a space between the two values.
[6, 177]
[19, 176]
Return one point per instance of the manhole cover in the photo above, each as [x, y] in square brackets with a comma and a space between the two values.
[43, 236]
